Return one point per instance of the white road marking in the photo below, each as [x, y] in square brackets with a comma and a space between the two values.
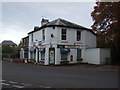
[26, 84]
[13, 82]
[5, 84]
[47, 87]
[2, 80]
[17, 86]
[44, 87]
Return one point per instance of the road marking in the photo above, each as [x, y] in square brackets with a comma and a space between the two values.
[12, 82]
[2, 80]
[47, 87]
[44, 86]
[26, 84]
[5, 84]
[17, 86]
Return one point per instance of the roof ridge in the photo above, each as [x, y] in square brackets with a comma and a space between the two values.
[58, 21]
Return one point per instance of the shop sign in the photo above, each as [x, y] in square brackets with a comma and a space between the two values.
[72, 46]
[60, 46]
[42, 47]
[39, 43]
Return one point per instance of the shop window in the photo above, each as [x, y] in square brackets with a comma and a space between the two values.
[64, 56]
[78, 53]
[33, 54]
[42, 55]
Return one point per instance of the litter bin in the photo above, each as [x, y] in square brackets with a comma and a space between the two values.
[108, 61]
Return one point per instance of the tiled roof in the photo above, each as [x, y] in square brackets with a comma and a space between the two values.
[8, 42]
[62, 23]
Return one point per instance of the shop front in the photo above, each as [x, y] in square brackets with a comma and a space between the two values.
[64, 55]
[41, 55]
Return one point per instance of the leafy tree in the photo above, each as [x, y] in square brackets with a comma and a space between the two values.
[7, 49]
[106, 24]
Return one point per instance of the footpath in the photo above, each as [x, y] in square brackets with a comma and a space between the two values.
[92, 67]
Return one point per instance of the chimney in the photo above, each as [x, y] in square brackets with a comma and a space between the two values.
[44, 21]
[36, 28]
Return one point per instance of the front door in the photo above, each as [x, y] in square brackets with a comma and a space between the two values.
[51, 55]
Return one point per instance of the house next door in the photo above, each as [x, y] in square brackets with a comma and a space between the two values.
[51, 55]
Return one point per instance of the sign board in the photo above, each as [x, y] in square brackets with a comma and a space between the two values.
[68, 46]
[60, 46]
[39, 43]
[72, 46]
[42, 46]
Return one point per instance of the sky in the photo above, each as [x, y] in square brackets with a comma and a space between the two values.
[19, 18]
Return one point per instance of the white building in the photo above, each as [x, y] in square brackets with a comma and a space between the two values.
[60, 41]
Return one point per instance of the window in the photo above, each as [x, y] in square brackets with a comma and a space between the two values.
[32, 37]
[34, 44]
[78, 35]
[64, 56]
[63, 34]
[43, 35]
[78, 53]
[42, 55]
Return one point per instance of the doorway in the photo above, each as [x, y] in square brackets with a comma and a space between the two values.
[51, 56]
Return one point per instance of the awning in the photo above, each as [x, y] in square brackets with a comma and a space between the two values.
[42, 49]
[64, 50]
[31, 50]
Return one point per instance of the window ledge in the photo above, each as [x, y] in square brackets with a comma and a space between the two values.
[64, 41]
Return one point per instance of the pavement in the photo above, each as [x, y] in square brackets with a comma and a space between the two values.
[81, 66]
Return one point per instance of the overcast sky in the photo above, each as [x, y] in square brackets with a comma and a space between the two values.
[19, 18]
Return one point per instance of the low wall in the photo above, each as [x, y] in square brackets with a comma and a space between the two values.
[97, 55]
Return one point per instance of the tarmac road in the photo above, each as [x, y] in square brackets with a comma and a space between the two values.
[16, 75]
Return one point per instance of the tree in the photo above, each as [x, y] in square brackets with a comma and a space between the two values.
[7, 49]
[106, 24]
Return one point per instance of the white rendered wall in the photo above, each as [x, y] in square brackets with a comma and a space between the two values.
[97, 55]
[88, 40]
[74, 53]
[47, 55]
[93, 56]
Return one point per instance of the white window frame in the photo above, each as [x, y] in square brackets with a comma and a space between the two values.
[78, 37]
[63, 34]
[43, 35]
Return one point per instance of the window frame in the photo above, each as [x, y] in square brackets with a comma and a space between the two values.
[79, 53]
[32, 37]
[43, 35]
[63, 34]
[64, 56]
[78, 35]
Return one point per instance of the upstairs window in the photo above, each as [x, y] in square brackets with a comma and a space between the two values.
[43, 35]
[78, 35]
[63, 34]
[32, 37]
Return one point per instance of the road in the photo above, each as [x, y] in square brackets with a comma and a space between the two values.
[35, 76]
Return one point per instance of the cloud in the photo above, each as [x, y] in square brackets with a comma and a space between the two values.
[20, 17]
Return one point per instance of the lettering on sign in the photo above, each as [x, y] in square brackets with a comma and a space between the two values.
[60, 46]
[71, 46]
